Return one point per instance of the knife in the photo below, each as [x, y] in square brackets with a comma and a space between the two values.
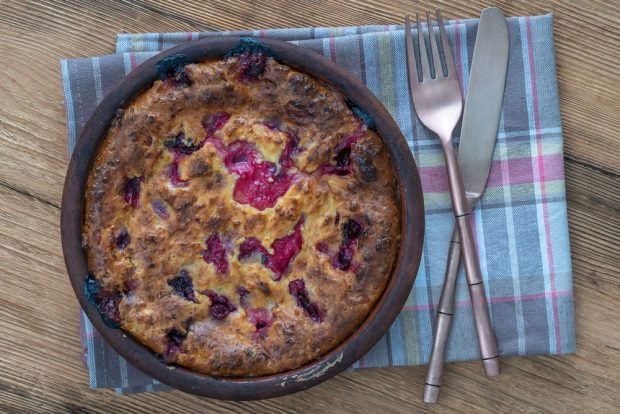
[485, 93]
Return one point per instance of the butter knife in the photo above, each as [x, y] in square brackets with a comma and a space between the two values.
[478, 135]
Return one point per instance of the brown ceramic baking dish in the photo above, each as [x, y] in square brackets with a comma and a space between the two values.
[330, 364]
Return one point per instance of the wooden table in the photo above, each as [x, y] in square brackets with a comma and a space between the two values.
[40, 353]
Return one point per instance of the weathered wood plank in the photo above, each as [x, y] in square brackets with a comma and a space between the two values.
[40, 363]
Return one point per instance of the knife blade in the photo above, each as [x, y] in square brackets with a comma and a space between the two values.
[483, 104]
[481, 117]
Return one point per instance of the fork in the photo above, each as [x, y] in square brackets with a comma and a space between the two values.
[438, 103]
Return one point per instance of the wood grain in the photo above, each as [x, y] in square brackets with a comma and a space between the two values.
[40, 359]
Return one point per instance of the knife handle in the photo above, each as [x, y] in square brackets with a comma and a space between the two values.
[443, 322]
[486, 337]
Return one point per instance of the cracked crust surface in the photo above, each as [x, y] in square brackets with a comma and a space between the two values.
[147, 244]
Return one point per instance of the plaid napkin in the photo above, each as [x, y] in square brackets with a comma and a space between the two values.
[520, 223]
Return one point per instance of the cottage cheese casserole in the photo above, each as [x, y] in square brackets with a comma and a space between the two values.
[241, 217]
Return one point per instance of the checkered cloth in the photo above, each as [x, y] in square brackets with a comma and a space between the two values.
[520, 223]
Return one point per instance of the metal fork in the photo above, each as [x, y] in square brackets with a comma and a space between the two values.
[438, 103]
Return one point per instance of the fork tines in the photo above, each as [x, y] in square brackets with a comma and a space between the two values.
[436, 63]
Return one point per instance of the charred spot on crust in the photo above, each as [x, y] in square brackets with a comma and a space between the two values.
[366, 168]
[172, 70]
[361, 115]
[248, 45]
[299, 111]
[219, 94]
[105, 302]
[91, 288]
[301, 85]
[251, 59]
[182, 144]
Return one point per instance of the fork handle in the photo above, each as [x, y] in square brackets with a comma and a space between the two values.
[443, 322]
[486, 337]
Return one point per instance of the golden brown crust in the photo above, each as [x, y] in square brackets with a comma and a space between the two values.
[147, 244]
